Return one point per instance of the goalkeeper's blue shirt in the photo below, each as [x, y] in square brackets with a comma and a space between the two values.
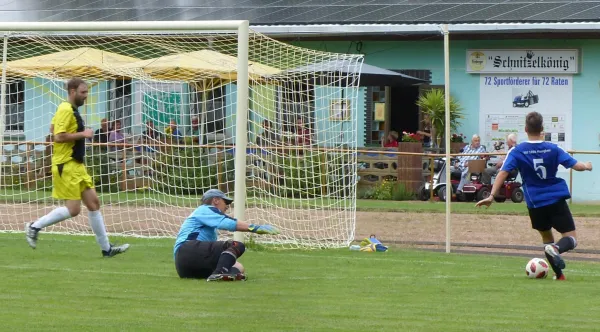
[202, 225]
[538, 163]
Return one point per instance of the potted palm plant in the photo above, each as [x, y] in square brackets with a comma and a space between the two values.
[433, 104]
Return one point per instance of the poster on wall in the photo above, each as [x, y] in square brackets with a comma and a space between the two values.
[159, 102]
[506, 99]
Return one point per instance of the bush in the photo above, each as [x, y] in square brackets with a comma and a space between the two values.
[178, 171]
[400, 193]
[364, 193]
[302, 175]
[97, 165]
[186, 172]
[11, 177]
[388, 190]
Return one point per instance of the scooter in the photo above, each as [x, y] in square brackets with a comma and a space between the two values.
[439, 182]
[471, 191]
[511, 187]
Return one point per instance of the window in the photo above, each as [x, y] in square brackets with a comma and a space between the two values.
[295, 101]
[215, 110]
[120, 102]
[15, 106]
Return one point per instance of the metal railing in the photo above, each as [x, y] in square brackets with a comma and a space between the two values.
[283, 148]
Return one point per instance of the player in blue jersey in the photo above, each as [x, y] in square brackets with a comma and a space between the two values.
[545, 193]
[197, 252]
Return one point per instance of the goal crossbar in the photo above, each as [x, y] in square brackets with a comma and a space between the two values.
[129, 26]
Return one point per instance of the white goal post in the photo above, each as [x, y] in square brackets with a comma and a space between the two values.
[226, 85]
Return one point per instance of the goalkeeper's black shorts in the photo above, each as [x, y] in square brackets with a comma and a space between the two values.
[198, 259]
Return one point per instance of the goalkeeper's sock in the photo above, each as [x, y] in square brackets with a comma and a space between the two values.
[229, 257]
[56, 215]
[226, 262]
[97, 223]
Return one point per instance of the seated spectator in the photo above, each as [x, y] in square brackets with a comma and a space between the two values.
[116, 136]
[303, 133]
[101, 135]
[268, 136]
[488, 173]
[150, 133]
[173, 132]
[463, 162]
[194, 130]
[391, 141]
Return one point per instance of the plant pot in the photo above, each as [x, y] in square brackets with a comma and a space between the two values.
[455, 147]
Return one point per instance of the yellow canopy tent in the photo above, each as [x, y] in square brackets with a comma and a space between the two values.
[198, 67]
[84, 62]
[205, 70]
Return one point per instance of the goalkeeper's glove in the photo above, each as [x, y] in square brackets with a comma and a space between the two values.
[263, 229]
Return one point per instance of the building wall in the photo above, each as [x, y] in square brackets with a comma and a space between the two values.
[328, 132]
[465, 87]
[42, 97]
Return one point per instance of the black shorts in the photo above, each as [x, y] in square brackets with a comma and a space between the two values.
[198, 259]
[557, 216]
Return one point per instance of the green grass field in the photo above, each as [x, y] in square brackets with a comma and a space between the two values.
[65, 285]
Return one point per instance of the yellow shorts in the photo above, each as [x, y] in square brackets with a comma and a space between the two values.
[69, 180]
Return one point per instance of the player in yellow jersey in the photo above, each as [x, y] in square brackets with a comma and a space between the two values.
[70, 180]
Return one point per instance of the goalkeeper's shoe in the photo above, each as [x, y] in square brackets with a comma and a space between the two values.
[227, 277]
[115, 250]
[31, 234]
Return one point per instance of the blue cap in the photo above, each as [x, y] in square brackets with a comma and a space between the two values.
[212, 193]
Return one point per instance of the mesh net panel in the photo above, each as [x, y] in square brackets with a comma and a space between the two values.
[163, 107]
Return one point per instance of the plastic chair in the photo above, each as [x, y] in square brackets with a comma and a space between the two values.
[10, 148]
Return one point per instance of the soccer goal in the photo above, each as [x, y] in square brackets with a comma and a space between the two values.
[178, 108]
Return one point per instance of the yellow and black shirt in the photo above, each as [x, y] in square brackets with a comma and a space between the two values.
[68, 120]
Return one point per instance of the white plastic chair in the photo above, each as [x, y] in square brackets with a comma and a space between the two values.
[16, 159]
[40, 148]
[10, 148]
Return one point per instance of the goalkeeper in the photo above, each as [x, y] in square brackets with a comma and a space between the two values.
[197, 252]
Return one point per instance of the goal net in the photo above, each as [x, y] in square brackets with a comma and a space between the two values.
[164, 110]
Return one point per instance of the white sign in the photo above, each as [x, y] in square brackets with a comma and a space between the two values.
[160, 102]
[523, 61]
[505, 101]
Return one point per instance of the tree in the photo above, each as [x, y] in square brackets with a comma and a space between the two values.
[433, 103]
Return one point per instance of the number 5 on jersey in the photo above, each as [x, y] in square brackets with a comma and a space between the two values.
[538, 166]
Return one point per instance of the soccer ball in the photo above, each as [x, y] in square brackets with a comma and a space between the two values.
[536, 268]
